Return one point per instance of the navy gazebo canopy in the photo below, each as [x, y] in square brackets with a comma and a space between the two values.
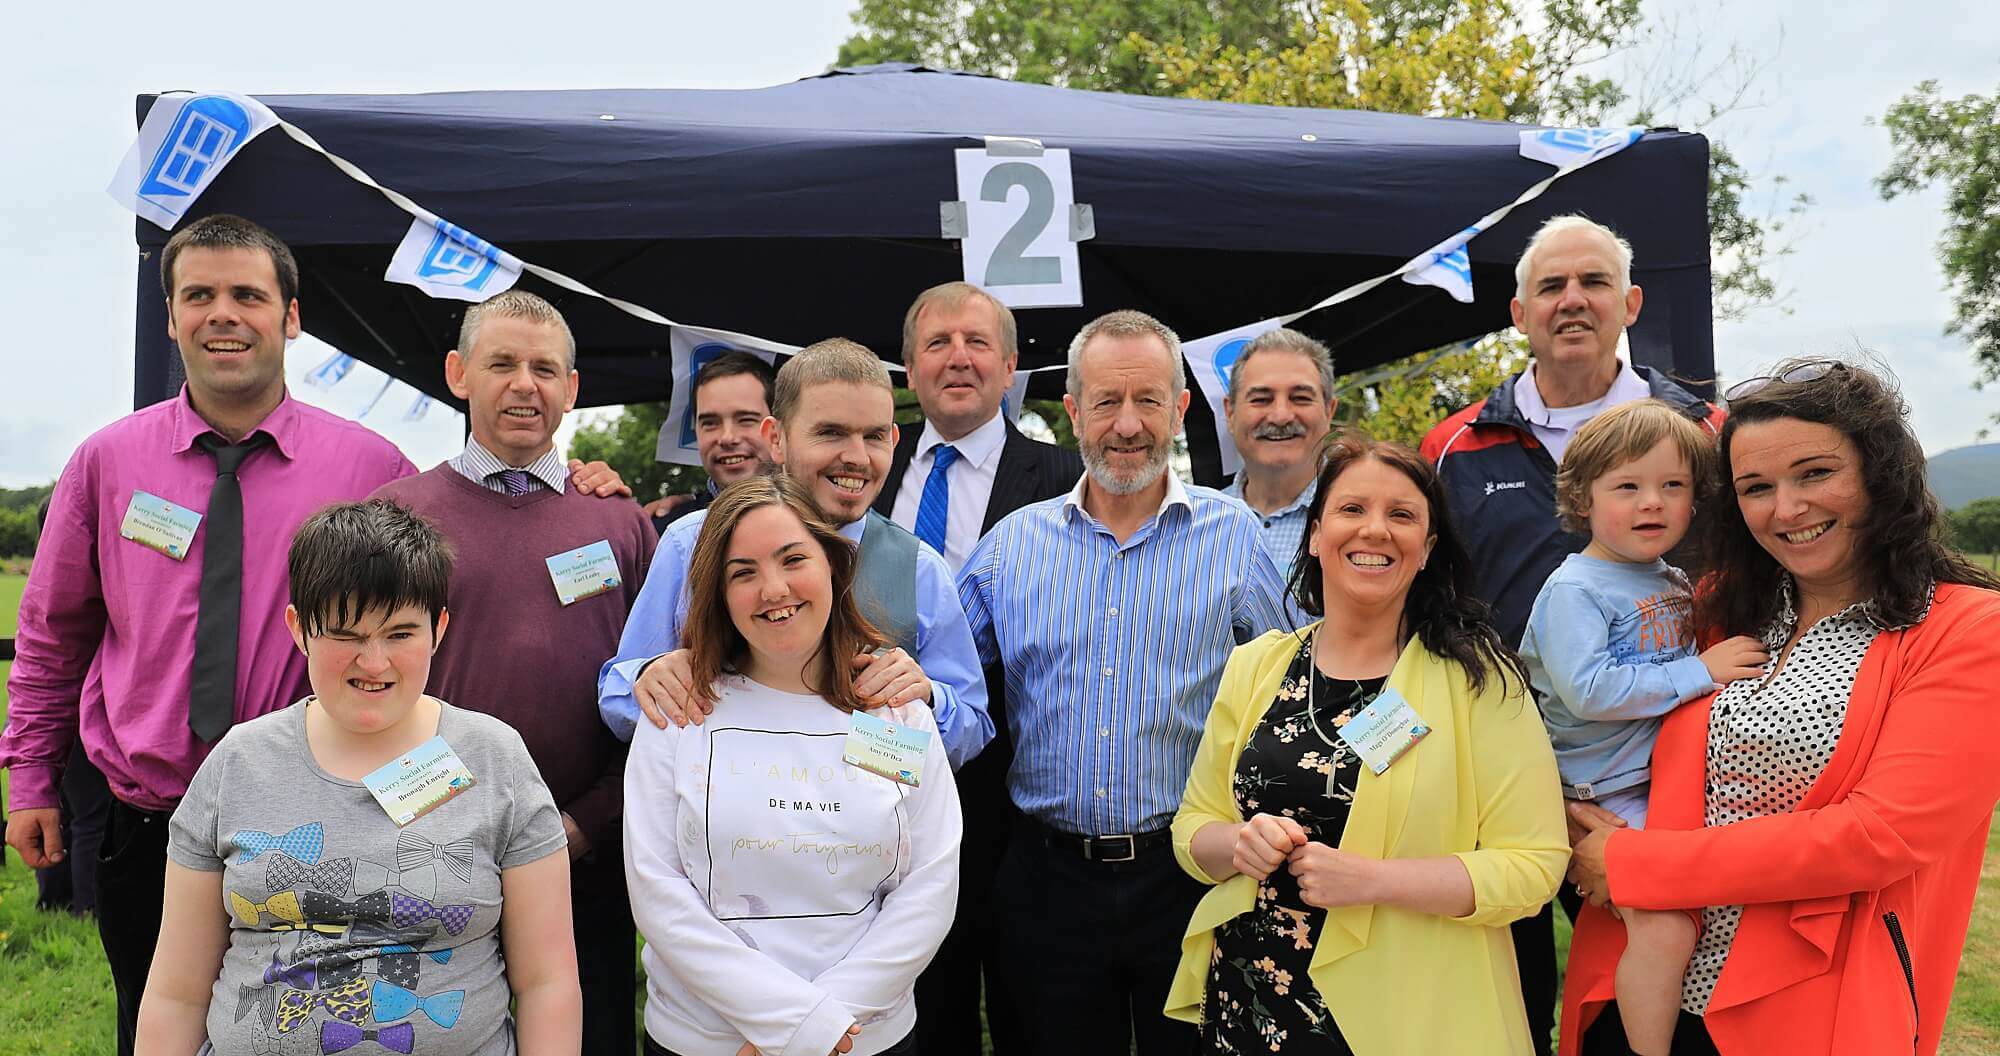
[811, 209]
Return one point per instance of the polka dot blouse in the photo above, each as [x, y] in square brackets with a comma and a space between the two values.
[1768, 741]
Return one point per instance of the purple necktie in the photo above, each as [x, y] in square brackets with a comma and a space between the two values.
[516, 481]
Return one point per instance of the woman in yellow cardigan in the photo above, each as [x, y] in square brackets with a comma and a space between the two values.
[1364, 910]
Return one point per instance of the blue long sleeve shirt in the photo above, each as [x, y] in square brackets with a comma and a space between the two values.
[1113, 650]
[944, 642]
[1609, 654]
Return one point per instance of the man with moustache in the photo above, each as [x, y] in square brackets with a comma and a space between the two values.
[950, 483]
[1112, 609]
[832, 427]
[1279, 408]
[1573, 300]
[732, 397]
[524, 642]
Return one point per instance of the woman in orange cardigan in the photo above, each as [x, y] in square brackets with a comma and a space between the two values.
[1831, 814]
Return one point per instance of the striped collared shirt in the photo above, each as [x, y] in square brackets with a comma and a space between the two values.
[1284, 528]
[1113, 651]
[481, 466]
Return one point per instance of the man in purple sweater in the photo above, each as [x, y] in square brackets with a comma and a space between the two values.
[543, 582]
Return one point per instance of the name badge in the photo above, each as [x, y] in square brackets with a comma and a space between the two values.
[157, 524]
[419, 782]
[885, 748]
[585, 572]
[1384, 730]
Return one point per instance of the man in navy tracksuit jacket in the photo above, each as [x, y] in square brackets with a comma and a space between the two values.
[1498, 460]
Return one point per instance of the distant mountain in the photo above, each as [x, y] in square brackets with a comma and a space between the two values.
[1963, 474]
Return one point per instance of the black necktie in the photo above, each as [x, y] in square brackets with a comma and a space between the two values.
[212, 694]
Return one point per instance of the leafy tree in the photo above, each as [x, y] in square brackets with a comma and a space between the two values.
[1975, 528]
[1957, 142]
[29, 499]
[627, 442]
[17, 532]
[1074, 45]
[1400, 401]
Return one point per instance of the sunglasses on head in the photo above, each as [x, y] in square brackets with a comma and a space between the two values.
[1802, 373]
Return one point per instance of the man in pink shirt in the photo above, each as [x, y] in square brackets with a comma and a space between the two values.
[154, 613]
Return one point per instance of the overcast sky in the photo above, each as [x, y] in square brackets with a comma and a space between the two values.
[1864, 272]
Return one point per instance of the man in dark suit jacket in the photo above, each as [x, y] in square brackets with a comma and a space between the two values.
[949, 483]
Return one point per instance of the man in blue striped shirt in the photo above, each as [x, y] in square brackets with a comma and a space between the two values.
[1112, 610]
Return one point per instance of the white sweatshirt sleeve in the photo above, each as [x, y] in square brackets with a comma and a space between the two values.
[881, 970]
[775, 1010]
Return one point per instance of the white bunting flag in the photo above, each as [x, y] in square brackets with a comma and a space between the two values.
[330, 371]
[692, 349]
[1209, 360]
[1567, 147]
[1447, 267]
[184, 142]
[1017, 394]
[445, 260]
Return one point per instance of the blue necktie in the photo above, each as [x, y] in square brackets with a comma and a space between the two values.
[933, 508]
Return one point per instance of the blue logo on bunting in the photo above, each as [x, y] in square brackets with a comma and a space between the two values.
[1226, 355]
[1551, 144]
[457, 257]
[208, 129]
[697, 359]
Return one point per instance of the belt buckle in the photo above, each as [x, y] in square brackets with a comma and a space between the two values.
[1090, 846]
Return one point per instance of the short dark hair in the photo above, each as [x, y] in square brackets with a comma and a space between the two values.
[224, 231]
[1441, 609]
[1902, 547]
[357, 557]
[731, 363]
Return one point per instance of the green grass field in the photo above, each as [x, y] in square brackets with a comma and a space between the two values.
[55, 993]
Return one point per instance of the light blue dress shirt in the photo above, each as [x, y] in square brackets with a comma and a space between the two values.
[1113, 651]
[1284, 528]
[944, 644]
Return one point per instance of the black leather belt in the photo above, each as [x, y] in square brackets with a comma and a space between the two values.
[1123, 847]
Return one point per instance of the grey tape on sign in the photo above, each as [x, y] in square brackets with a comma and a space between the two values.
[951, 219]
[1082, 222]
[1013, 147]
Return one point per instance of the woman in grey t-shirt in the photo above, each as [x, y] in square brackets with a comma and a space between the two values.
[302, 916]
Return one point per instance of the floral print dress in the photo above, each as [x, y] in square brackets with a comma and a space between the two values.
[1259, 998]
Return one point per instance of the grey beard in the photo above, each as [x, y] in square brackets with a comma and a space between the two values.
[1107, 478]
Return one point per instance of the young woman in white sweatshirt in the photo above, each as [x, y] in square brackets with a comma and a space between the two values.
[788, 897]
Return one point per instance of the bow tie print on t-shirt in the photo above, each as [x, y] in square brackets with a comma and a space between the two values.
[408, 912]
[264, 1043]
[322, 908]
[262, 1000]
[395, 964]
[347, 1003]
[416, 868]
[333, 875]
[282, 907]
[335, 1036]
[392, 1003]
[299, 975]
[305, 843]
